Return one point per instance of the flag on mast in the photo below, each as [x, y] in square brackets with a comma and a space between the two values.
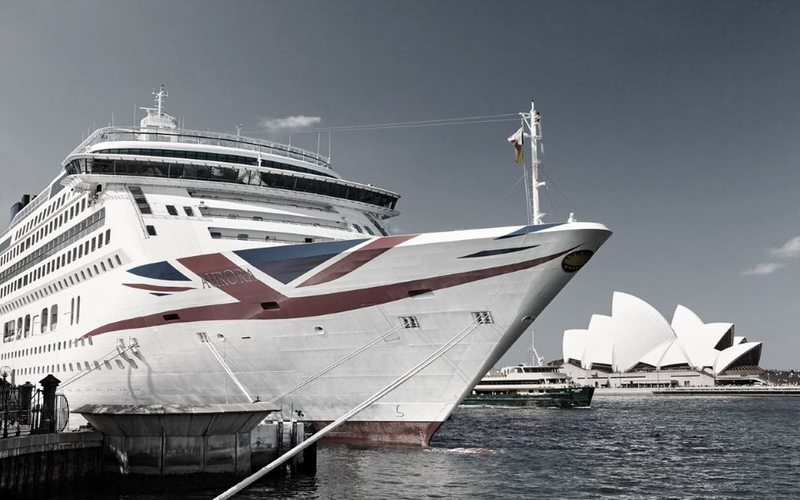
[518, 140]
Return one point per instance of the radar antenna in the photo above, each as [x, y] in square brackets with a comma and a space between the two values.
[159, 98]
[157, 117]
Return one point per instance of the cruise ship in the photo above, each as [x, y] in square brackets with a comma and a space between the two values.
[171, 266]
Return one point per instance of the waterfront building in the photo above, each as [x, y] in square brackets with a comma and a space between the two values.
[636, 347]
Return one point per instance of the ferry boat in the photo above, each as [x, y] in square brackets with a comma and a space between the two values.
[170, 266]
[524, 385]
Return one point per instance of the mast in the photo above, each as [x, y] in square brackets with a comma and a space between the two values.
[533, 122]
[536, 359]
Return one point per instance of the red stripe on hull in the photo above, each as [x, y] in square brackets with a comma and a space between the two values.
[157, 288]
[252, 295]
[220, 272]
[356, 259]
[362, 433]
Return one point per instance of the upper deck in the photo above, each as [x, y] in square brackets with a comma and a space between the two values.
[195, 138]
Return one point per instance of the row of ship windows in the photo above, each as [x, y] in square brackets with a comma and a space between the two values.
[54, 245]
[202, 155]
[62, 284]
[52, 347]
[53, 225]
[58, 203]
[70, 367]
[85, 248]
[239, 175]
[25, 326]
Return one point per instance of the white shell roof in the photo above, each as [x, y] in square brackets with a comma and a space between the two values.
[728, 356]
[637, 328]
[573, 344]
[637, 333]
[599, 341]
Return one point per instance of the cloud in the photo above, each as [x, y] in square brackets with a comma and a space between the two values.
[763, 268]
[289, 122]
[789, 250]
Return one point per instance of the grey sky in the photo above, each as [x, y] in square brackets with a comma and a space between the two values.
[675, 123]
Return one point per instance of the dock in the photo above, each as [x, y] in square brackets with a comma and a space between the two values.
[127, 443]
[786, 390]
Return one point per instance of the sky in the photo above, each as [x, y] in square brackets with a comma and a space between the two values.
[675, 123]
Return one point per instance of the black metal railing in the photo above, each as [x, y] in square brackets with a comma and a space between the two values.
[26, 409]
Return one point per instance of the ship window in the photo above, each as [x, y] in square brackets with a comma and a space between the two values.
[367, 229]
[270, 305]
[409, 321]
[27, 324]
[188, 211]
[171, 317]
[119, 262]
[53, 317]
[482, 317]
[242, 236]
[108, 236]
[171, 210]
[358, 228]
[151, 230]
[216, 235]
[421, 292]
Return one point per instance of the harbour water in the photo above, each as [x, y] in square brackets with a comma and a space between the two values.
[623, 447]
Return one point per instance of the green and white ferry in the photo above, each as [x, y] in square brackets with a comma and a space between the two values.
[526, 386]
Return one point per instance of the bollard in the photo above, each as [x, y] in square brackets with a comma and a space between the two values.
[25, 396]
[48, 421]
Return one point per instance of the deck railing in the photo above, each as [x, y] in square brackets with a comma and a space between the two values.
[109, 134]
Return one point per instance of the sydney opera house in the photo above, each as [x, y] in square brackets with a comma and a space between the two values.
[636, 347]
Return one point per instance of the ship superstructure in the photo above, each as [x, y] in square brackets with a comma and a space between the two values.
[173, 266]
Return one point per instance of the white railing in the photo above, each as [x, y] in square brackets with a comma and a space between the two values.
[110, 134]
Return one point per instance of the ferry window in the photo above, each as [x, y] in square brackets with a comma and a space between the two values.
[43, 326]
[171, 210]
[119, 262]
[188, 211]
[358, 228]
[78, 310]
[103, 266]
[151, 230]
[86, 247]
[110, 264]
[96, 271]
[80, 251]
[53, 317]
[92, 245]
[83, 204]
[369, 230]
[242, 236]
[99, 240]
[71, 310]
[108, 236]
[27, 324]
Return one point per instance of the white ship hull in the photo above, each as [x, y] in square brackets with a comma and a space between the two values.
[268, 352]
